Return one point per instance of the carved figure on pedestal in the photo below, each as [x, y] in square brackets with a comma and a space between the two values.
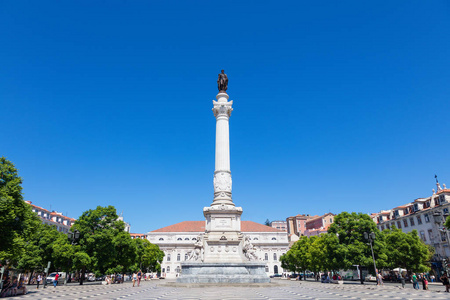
[197, 253]
[249, 249]
[222, 82]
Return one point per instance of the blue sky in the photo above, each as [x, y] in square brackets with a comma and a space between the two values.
[338, 105]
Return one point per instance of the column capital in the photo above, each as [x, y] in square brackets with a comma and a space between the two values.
[222, 109]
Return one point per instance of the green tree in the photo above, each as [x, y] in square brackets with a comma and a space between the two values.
[98, 230]
[350, 228]
[267, 222]
[407, 250]
[149, 256]
[17, 221]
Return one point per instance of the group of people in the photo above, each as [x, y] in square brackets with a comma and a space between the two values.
[416, 278]
[137, 277]
[13, 286]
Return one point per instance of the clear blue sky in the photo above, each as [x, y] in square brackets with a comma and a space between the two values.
[338, 105]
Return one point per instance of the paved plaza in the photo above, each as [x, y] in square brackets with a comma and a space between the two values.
[280, 289]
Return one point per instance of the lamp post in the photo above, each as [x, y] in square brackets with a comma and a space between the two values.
[440, 217]
[73, 237]
[371, 238]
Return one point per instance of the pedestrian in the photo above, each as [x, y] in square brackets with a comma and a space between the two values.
[415, 281]
[424, 282]
[139, 276]
[432, 278]
[55, 281]
[134, 278]
[445, 282]
[38, 280]
[379, 279]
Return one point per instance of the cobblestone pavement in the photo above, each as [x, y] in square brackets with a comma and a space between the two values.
[281, 290]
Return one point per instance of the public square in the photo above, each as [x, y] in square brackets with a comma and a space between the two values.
[278, 289]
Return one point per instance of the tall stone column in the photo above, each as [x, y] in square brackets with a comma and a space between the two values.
[222, 174]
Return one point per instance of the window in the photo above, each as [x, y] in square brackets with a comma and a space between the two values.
[275, 257]
[427, 219]
[430, 234]
[405, 222]
[331, 220]
[388, 226]
[186, 256]
[422, 236]
[445, 210]
[186, 239]
[255, 239]
[194, 239]
[178, 257]
[382, 227]
[168, 258]
[399, 224]
[161, 239]
[419, 219]
[275, 269]
[267, 269]
[412, 221]
[168, 269]
[179, 239]
[266, 256]
[274, 239]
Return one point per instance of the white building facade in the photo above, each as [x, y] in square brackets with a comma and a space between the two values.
[178, 240]
[427, 216]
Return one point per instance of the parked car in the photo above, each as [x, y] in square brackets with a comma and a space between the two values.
[91, 277]
[371, 278]
[275, 275]
[100, 278]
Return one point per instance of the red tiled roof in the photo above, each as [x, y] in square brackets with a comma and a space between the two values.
[199, 226]
[137, 234]
[443, 191]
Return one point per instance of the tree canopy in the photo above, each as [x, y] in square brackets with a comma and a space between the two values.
[345, 245]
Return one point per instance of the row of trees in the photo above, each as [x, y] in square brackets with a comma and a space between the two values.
[102, 247]
[345, 245]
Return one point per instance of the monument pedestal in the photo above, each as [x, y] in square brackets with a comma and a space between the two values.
[250, 272]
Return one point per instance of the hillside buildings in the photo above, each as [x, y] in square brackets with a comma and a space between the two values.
[62, 223]
[427, 216]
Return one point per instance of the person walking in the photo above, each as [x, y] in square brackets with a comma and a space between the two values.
[445, 282]
[38, 280]
[139, 276]
[55, 281]
[415, 281]
[424, 282]
[134, 279]
[379, 279]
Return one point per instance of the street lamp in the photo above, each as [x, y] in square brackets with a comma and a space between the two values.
[371, 238]
[73, 237]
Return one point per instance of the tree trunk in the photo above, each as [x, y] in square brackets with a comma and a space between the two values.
[29, 278]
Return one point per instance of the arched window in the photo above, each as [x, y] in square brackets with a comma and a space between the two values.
[168, 269]
[275, 269]
[179, 239]
[178, 257]
[255, 239]
[161, 239]
[186, 239]
[266, 256]
[168, 258]
[194, 239]
[275, 257]
[267, 268]
[186, 256]
[274, 239]
[164, 270]
[178, 269]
